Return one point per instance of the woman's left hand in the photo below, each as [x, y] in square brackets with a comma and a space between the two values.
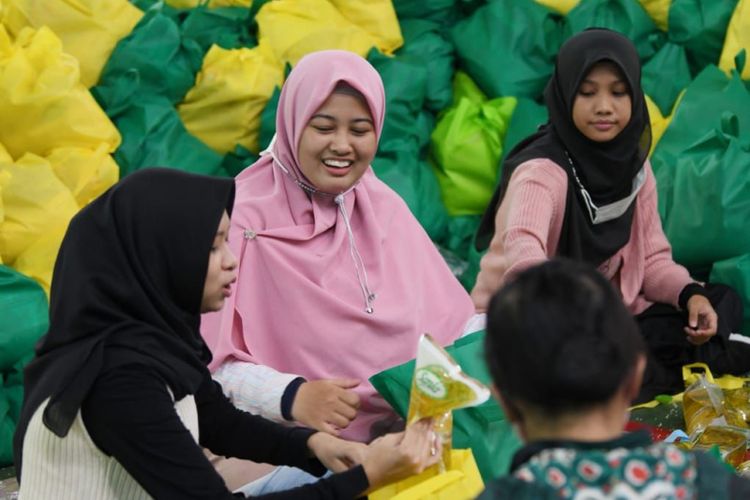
[702, 320]
[336, 454]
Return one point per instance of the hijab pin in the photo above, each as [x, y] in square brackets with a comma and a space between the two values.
[249, 234]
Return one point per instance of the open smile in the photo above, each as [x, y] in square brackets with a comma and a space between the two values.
[338, 168]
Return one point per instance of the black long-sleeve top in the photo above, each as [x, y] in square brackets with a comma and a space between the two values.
[130, 415]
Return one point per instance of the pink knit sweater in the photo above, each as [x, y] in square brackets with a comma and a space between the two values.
[528, 225]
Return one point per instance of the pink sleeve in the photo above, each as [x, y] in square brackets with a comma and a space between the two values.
[531, 211]
[663, 279]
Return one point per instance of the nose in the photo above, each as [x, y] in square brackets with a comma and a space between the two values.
[340, 144]
[230, 261]
[603, 105]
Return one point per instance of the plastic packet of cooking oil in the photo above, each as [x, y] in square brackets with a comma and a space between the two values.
[705, 404]
[439, 387]
[731, 441]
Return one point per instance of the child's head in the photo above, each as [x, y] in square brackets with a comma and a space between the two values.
[596, 87]
[329, 119]
[559, 340]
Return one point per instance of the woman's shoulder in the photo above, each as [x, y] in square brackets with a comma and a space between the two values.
[542, 170]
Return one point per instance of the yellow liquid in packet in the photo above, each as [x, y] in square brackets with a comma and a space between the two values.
[439, 387]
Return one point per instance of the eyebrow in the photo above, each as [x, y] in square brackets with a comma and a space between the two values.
[329, 117]
[586, 80]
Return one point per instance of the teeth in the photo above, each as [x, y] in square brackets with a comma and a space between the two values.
[337, 163]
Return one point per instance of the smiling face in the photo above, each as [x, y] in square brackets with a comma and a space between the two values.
[602, 106]
[338, 143]
[222, 265]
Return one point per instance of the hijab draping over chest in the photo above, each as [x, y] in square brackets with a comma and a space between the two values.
[127, 289]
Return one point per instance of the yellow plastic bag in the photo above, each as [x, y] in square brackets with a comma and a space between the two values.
[223, 108]
[659, 123]
[89, 29]
[294, 28]
[38, 208]
[461, 481]
[42, 104]
[658, 10]
[561, 6]
[737, 38]
[377, 17]
[87, 173]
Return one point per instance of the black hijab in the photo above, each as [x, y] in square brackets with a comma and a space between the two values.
[606, 169]
[127, 289]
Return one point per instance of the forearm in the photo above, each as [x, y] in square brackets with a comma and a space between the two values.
[257, 389]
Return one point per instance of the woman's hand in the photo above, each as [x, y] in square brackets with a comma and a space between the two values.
[326, 405]
[336, 454]
[396, 456]
[702, 320]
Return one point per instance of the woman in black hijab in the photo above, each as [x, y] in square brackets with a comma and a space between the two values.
[118, 397]
[581, 187]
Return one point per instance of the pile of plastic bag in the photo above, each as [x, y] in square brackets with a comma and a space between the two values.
[92, 90]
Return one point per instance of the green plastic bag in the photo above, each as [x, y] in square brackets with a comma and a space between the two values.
[153, 135]
[227, 27]
[700, 26]
[483, 428]
[467, 145]
[526, 119]
[441, 11]
[425, 40]
[405, 81]
[414, 180]
[625, 16]
[698, 112]
[23, 309]
[735, 272]
[508, 47]
[666, 75]
[164, 63]
[709, 217]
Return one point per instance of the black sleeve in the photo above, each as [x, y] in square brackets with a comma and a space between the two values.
[687, 292]
[130, 415]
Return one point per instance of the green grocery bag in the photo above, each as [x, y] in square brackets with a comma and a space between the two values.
[665, 75]
[700, 26]
[23, 309]
[425, 40]
[526, 119]
[709, 216]
[164, 63]
[482, 428]
[703, 146]
[466, 146]
[441, 11]
[405, 81]
[11, 399]
[735, 272]
[625, 16]
[508, 47]
[414, 180]
[153, 135]
[227, 27]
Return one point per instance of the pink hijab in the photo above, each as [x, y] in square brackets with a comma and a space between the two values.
[299, 303]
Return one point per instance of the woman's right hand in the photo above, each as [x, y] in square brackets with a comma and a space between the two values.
[397, 456]
[326, 405]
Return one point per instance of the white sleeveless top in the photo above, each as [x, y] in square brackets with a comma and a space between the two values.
[74, 468]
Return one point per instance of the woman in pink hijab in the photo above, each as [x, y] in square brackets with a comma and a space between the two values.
[337, 279]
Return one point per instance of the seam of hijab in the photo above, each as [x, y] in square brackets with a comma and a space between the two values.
[356, 257]
[364, 285]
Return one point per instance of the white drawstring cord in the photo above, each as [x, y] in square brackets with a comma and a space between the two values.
[339, 200]
[358, 262]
